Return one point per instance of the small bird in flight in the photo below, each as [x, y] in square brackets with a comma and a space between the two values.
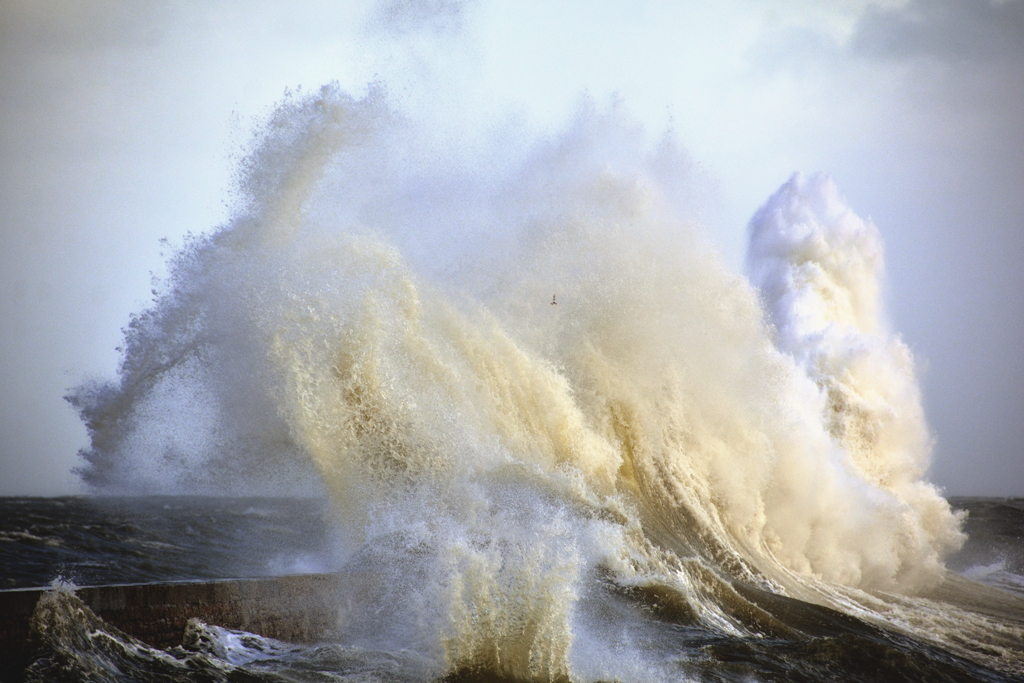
[553, 302]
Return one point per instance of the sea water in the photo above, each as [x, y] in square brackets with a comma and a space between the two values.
[64, 542]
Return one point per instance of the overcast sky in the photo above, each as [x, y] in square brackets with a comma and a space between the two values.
[120, 123]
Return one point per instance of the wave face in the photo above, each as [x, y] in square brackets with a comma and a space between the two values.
[523, 379]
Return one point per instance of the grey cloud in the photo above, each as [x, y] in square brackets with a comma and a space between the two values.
[974, 30]
[969, 33]
[63, 28]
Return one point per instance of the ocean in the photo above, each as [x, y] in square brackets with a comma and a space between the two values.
[513, 381]
[648, 634]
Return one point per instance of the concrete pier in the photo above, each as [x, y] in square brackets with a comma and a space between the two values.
[300, 609]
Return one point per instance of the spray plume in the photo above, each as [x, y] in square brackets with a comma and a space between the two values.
[375, 325]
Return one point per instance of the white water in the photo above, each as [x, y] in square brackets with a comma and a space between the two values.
[376, 324]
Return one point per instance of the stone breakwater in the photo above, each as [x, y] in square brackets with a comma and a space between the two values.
[300, 609]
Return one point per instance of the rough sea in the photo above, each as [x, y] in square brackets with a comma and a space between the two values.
[85, 541]
[512, 380]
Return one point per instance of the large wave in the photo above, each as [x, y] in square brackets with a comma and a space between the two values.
[519, 371]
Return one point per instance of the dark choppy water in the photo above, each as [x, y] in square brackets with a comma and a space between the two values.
[92, 541]
[107, 540]
[994, 551]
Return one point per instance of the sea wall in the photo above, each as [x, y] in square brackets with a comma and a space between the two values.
[299, 609]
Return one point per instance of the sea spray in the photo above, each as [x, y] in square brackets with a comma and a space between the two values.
[818, 268]
[523, 388]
